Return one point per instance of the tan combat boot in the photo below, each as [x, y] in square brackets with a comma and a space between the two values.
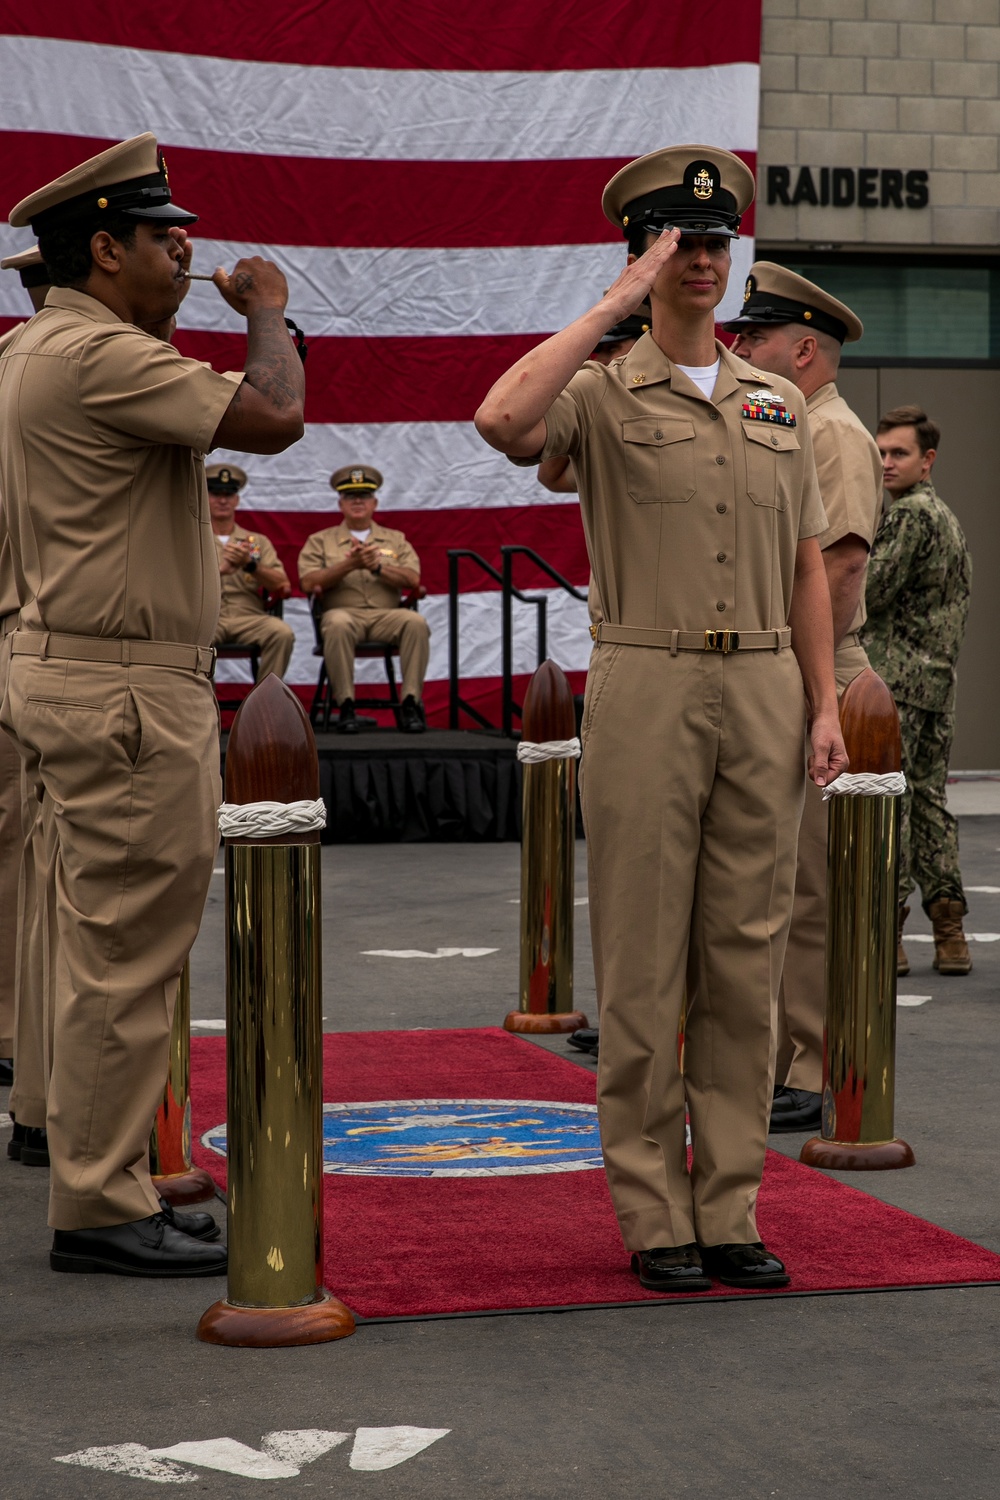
[902, 962]
[951, 951]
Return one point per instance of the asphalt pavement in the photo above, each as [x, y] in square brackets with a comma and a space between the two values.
[882, 1395]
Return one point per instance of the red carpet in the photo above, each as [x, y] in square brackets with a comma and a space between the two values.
[403, 1246]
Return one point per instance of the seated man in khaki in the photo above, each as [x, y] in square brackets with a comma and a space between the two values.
[358, 570]
[248, 563]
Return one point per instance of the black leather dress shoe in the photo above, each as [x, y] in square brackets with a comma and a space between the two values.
[6, 1072]
[34, 1148]
[671, 1268]
[411, 716]
[347, 720]
[795, 1109]
[744, 1265]
[147, 1247]
[199, 1225]
[584, 1039]
[16, 1141]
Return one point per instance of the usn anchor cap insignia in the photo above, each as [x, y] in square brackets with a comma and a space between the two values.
[749, 290]
[703, 184]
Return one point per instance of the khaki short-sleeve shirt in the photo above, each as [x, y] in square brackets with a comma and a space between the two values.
[9, 602]
[103, 429]
[849, 468]
[360, 589]
[693, 508]
[241, 590]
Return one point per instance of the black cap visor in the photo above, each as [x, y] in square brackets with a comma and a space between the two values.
[763, 310]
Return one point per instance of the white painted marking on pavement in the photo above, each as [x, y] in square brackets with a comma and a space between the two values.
[972, 937]
[384, 1447]
[301, 1445]
[130, 1459]
[5, 1120]
[985, 890]
[210, 1025]
[420, 952]
[229, 1456]
[585, 900]
[219, 871]
[913, 999]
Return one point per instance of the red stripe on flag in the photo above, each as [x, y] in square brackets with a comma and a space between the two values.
[296, 200]
[482, 35]
[555, 532]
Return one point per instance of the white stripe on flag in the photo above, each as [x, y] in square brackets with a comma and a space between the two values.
[224, 104]
[569, 642]
[427, 466]
[351, 293]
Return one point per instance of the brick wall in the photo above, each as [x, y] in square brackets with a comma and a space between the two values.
[888, 84]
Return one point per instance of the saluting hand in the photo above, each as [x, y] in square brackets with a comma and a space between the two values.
[253, 283]
[636, 281]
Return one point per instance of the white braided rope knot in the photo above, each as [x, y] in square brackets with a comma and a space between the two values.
[866, 784]
[530, 753]
[265, 820]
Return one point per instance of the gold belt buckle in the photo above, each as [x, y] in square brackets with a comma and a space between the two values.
[722, 640]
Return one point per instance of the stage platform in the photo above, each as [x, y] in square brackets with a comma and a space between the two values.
[444, 786]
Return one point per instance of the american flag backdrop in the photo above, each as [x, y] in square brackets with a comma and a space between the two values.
[428, 176]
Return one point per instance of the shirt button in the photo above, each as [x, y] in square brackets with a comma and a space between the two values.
[657, 433]
[720, 557]
[713, 416]
[721, 509]
[720, 605]
[720, 459]
[774, 442]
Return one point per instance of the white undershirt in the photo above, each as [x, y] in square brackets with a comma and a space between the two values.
[704, 376]
[222, 539]
[361, 536]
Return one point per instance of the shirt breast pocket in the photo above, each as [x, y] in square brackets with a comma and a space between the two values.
[659, 459]
[770, 455]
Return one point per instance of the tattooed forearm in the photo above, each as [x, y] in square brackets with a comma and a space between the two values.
[273, 368]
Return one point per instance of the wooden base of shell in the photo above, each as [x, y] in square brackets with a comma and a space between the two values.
[182, 1188]
[276, 1327]
[856, 1156]
[519, 1020]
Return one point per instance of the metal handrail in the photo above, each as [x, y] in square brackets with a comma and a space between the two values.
[508, 591]
[455, 701]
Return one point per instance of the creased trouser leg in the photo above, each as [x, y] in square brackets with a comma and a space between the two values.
[275, 639]
[11, 841]
[130, 759]
[341, 629]
[663, 772]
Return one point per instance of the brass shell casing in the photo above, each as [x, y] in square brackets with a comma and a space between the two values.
[274, 1075]
[548, 849]
[170, 1142]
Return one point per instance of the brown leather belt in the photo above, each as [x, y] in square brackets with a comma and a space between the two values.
[724, 641]
[119, 652]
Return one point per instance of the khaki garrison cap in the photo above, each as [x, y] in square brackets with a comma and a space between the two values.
[129, 178]
[356, 479]
[774, 294]
[34, 271]
[696, 189]
[225, 479]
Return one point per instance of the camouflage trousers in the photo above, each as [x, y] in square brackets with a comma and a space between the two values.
[928, 838]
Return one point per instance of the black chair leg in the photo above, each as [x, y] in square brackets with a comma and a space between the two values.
[394, 700]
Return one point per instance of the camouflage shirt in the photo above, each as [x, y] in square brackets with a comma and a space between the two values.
[917, 595]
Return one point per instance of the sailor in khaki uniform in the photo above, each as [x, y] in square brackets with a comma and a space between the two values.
[358, 571]
[248, 563]
[26, 851]
[701, 510]
[795, 329]
[109, 694]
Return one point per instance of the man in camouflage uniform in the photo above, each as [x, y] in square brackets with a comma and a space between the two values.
[919, 583]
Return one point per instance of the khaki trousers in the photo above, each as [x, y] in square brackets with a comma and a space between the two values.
[10, 864]
[130, 759]
[37, 954]
[343, 629]
[692, 786]
[275, 638]
[802, 997]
